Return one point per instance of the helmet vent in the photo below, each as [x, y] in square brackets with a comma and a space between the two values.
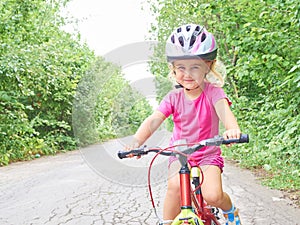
[180, 39]
[188, 28]
[173, 39]
[179, 30]
[193, 39]
[203, 37]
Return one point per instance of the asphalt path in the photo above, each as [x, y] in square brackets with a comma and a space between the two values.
[93, 186]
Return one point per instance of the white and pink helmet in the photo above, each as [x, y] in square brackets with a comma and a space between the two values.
[191, 41]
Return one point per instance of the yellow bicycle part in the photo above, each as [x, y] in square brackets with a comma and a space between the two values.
[187, 216]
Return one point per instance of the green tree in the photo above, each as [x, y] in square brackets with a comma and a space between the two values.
[106, 106]
[40, 68]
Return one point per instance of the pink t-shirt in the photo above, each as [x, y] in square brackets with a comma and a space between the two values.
[195, 120]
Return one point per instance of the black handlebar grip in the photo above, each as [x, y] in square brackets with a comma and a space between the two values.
[122, 154]
[243, 139]
[134, 152]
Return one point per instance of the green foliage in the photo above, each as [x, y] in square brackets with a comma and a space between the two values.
[40, 68]
[106, 106]
[259, 43]
[16, 132]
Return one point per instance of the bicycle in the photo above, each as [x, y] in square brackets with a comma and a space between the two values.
[194, 210]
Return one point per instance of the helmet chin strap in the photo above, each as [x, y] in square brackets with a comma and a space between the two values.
[188, 89]
[193, 88]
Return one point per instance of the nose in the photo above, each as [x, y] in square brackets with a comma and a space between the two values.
[187, 73]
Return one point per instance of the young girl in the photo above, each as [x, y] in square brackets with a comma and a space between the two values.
[196, 107]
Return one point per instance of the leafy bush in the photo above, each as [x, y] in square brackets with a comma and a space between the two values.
[16, 131]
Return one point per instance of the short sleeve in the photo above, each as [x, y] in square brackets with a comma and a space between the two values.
[216, 93]
[165, 105]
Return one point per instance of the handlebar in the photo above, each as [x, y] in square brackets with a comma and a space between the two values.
[141, 151]
[216, 141]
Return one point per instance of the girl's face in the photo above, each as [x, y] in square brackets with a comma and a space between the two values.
[190, 73]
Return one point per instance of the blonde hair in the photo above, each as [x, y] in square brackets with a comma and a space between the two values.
[215, 76]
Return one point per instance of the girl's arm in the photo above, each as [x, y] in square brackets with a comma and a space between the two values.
[228, 119]
[148, 127]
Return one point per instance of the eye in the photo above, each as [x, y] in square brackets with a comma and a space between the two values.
[181, 68]
[196, 68]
